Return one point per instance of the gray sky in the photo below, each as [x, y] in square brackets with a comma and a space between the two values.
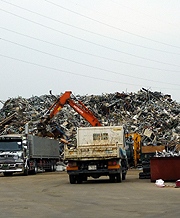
[89, 47]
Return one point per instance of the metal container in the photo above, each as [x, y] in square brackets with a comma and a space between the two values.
[166, 168]
[40, 147]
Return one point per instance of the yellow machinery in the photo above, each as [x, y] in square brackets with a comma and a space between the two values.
[137, 146]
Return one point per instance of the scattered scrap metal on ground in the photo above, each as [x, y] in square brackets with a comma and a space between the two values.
[155, 116]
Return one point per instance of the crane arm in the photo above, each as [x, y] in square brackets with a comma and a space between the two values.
[59, 104]
[84, 112]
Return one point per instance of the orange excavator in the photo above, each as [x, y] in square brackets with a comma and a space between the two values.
[59, 104]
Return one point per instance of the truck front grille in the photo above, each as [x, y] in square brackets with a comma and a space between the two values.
[7, 166]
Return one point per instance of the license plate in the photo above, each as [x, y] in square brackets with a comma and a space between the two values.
[92, 167]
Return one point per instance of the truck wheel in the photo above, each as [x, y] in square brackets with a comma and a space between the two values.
[123, 176]
[112, 178]
[54, 167]
[79, 179]
[51, 169]
[26, 172]
[72, 179]
[84, 178]
[119, 177]
[35, 170]
[7, 174]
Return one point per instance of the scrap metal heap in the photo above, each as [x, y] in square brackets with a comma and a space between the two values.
[153, 115]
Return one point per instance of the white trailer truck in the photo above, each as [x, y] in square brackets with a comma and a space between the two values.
[99, 152]
[27, 153]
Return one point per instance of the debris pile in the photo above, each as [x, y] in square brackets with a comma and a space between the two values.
[164, 153]
[153, 115]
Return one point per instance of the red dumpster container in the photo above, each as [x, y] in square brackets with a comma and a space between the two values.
[165, 168]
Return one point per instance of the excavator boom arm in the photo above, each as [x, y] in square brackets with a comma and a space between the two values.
[82, 110]
[59, 103]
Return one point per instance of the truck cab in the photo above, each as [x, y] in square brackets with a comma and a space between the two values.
[12, 154]
[27, 154]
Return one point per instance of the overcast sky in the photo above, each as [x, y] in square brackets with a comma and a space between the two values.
[89, 47]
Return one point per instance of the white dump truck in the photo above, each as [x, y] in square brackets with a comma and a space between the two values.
[100, 151]
[27, 153]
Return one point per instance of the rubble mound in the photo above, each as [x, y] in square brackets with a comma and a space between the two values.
[153, 115]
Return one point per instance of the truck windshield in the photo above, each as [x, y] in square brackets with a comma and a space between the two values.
[10, 146]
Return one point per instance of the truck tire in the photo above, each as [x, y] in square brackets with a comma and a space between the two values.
[35, 170]
[54, 167]
[72, 179]
[50, 167]
[123, 176]
[112, 178]
[79, 179]
[7, 174]
[84, 178]
[25, 172]
[119, 177]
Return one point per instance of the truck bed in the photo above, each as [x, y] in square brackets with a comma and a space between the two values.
[93, 152]
[104, 142]
[43, 147]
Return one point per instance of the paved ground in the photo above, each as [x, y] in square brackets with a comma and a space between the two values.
[50, 195]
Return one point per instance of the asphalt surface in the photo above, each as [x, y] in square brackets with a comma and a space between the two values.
[51, 195]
